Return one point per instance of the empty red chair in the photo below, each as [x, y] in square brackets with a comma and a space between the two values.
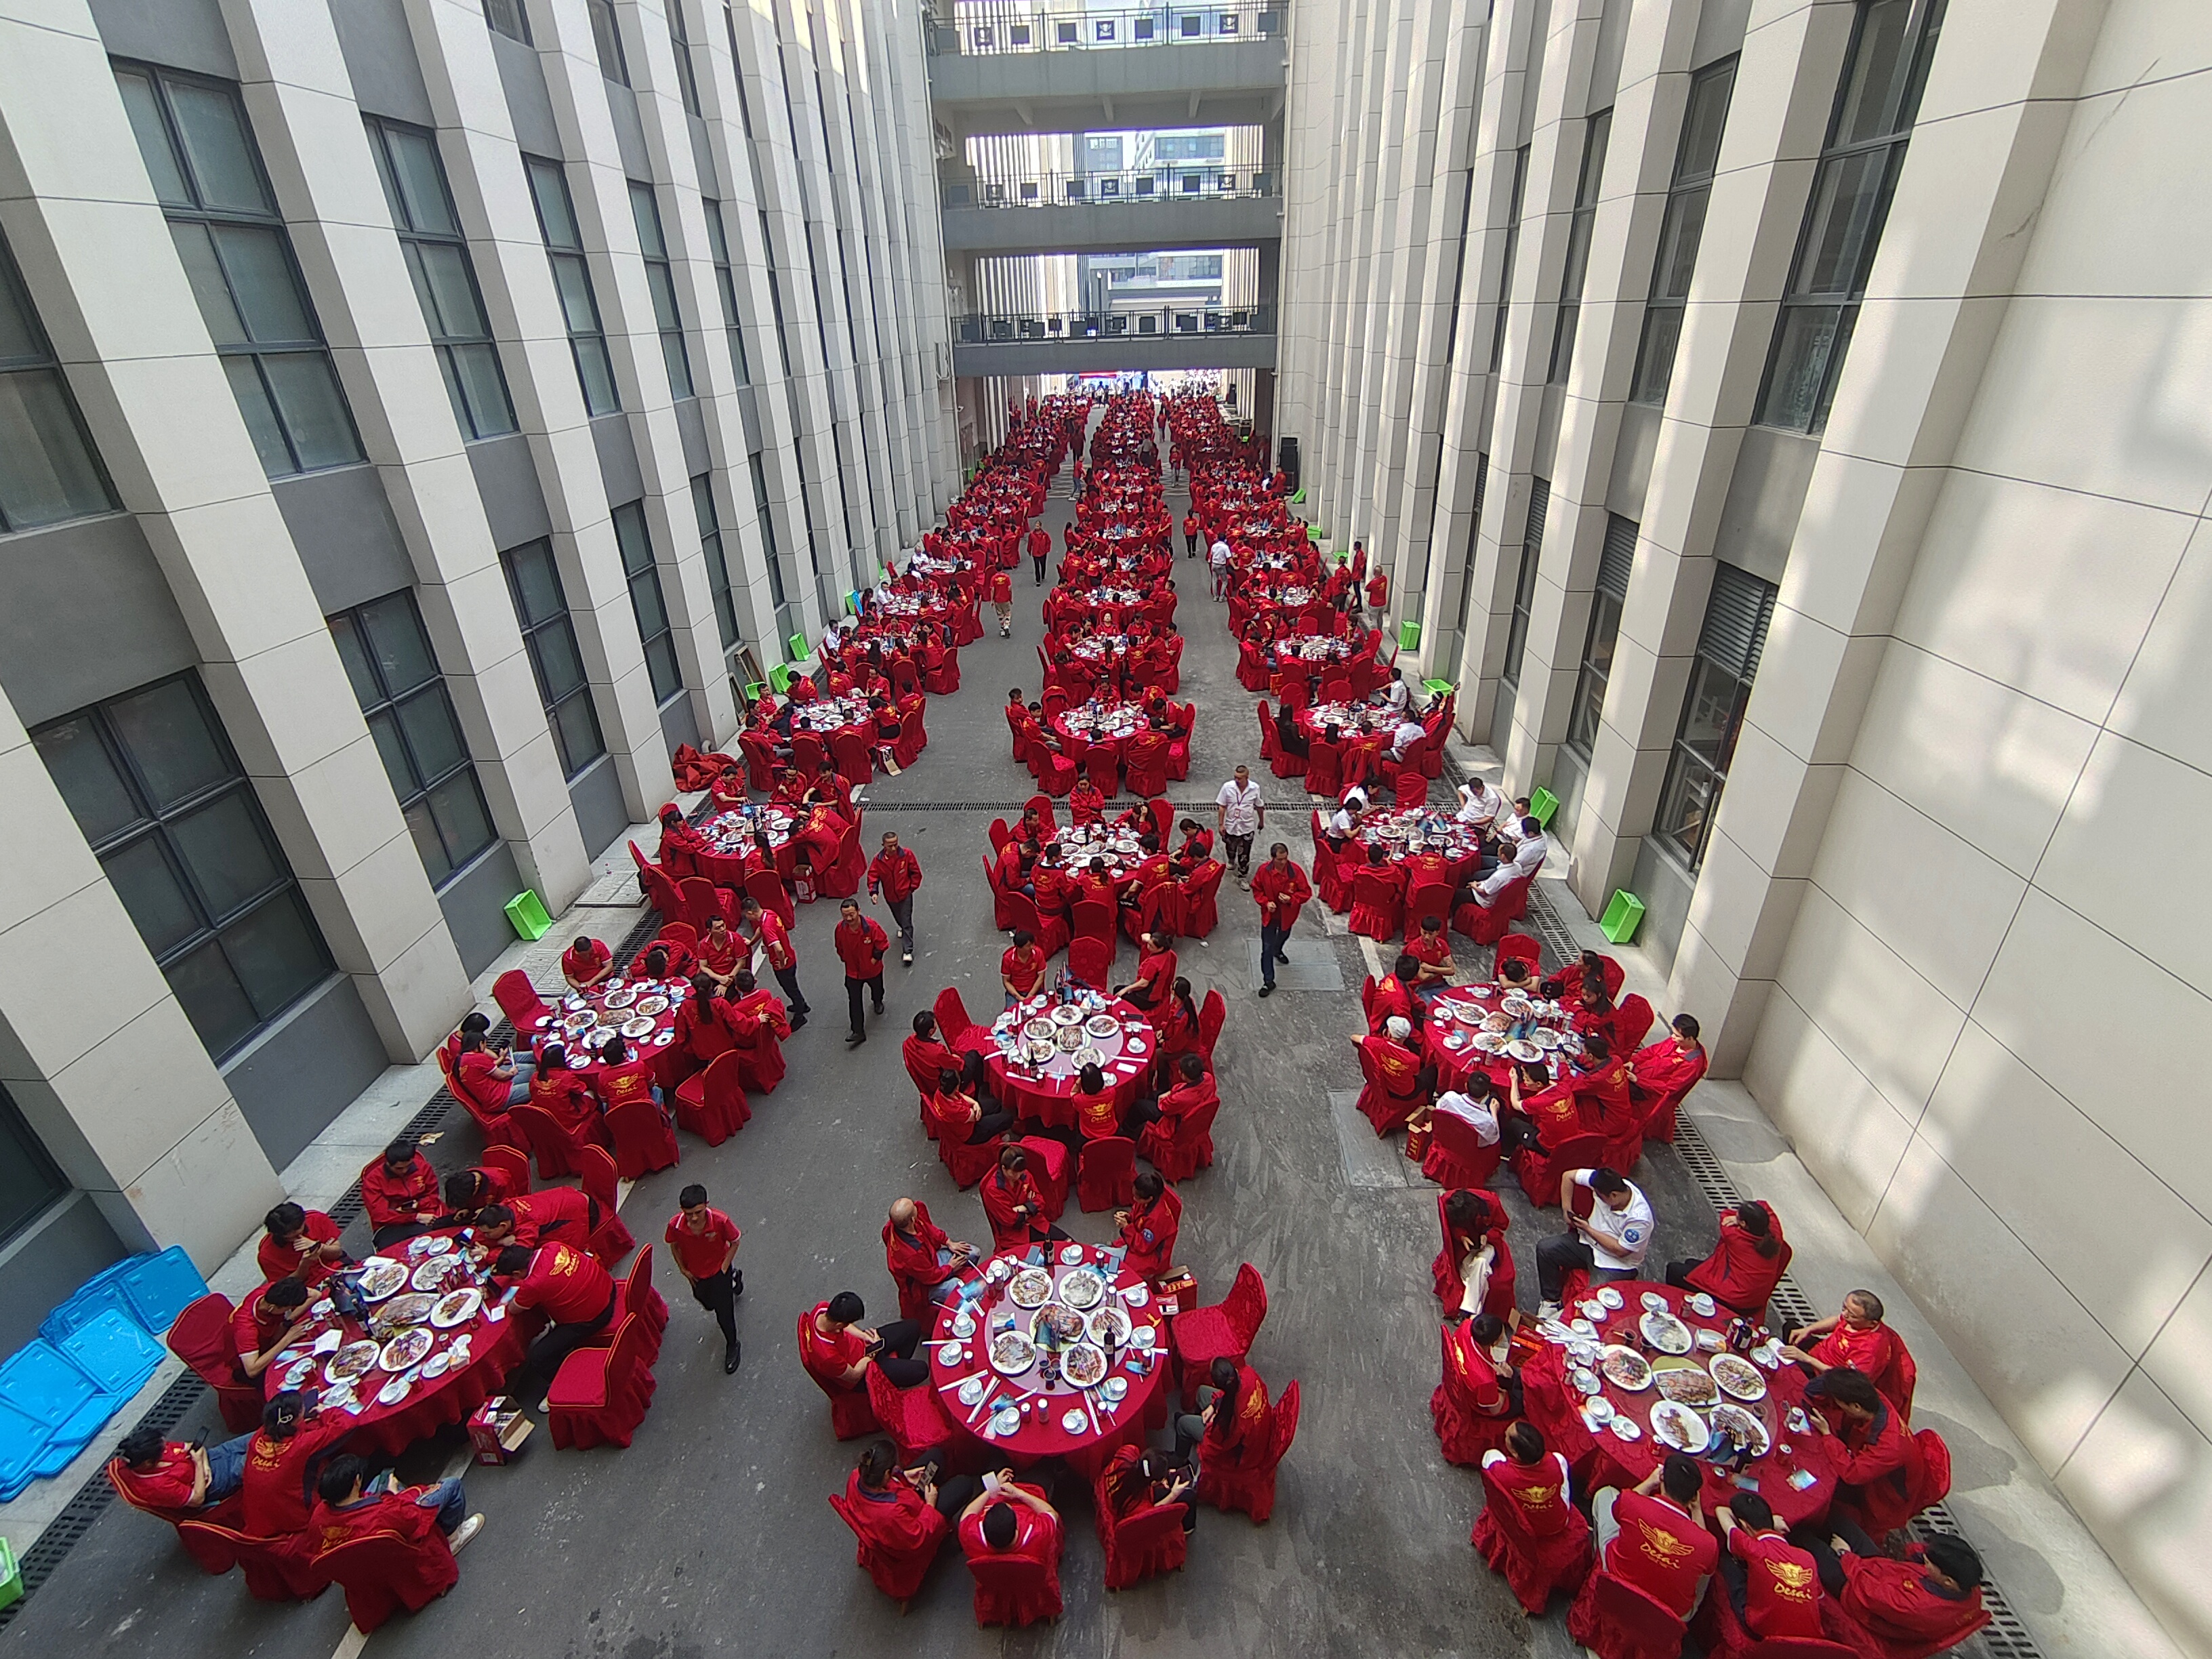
[600, 1395]
[1001, 897]
[1181, 1147]
[768, 887]
[1093, 919]
[384, 1572]
[1378, 903]
[850, 1413]
[911, 1417]
[952, 1020]
[711, 1104]
[1048, 1167]
[1632, 1020]
[548, 1140]
[1147, 763]
[1250, 1490]
[1456, 1156]
[276, 1569]
[1224, 1330]
[1142, 1543]
[1212, 1014]
[1091, 960]
[1411, 784]
[1200, 890]
[760, 759]
[967, 1165]
[1532, 1566]
[648, 1304]
[643, 1140]
[1539, 1171]
[201, 1337]
[614, 1240]
[1054, 773]
[1324, 766]
[1615, 1621]
[519, 1000]
[1104, 1181]
[850, 751]
[1104, 767]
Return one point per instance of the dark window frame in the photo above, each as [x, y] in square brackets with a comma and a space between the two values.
[1721, 678]
[39, 363]
[585, 344]
[508, 17]
[1681, 231]
[1524, 581]
[606, 41]
[1602, 637]
[554, 624]
[26, 1155]
[1512, 247]
[1598, 129]
[648, 601]
[660, 284]
[726, 625]
[725, 284]
[687, 73]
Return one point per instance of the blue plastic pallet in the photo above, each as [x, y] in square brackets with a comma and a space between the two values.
[160, 1287]
[114, 1352]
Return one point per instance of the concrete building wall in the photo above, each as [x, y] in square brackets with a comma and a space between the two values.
[1972, 756]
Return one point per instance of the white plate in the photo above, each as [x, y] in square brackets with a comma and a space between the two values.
[393, 1392]
[1694, 1435]
[664, 1039]
[437, 1246]
[1074, 1421]
[1610, 1296]
[438, 1364]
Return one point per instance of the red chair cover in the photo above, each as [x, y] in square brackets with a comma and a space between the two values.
[1385, 1110]
[1631, 1021]
[518, 999]
[1616, 1620]
[1104, 1181]
[1377, 907]
[1001, 897]
[648, 1304]
[711, 1104]
[510, 1164]
[643, 1140]
[1141, 1545]
[1464, 1435]
[600, 1395]
[1091, 960]
[854, 764]
[1048, 1167]
[911, 1417]
[384, 1572]
[1487, 925]
[1411, 784]
[1519, 946]
[1531, 1567]
[768, 887]
[967, 1165]
[1431, 899]
[1180, 1151]
[548, 1140]
[1539, 1171]
[1050, 932]
[898, 1574]
[850, 1413]
[1011, 1590]
[1212, 1013]
[1201, 888]
[1104, 767]
[1456, 1157]
[1251, 1490]
[1224, 1330]
[614, 1240]
[276, 1569]
[200, 1336]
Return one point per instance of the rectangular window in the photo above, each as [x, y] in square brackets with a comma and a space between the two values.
[1459, 267]
[1524, 581]
[725, 284]
[1736, 619]
[572, 277]
[738, 70]
[509, 18]
[606, 37]
[445, 278]
[660, 279]
[687, 75]
[1679, 232]
[207, 174]
[388, 656]
[1505, 262]
[48, 471]
[1892, 41]
[767, 517]
[1613, 567]
[30, 1180]
[646, 602]
[155, 785]
[775, 296]
[533, 581]
[718, 567]
[1578, 241]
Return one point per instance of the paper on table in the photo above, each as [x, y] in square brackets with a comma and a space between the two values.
[328, 1342]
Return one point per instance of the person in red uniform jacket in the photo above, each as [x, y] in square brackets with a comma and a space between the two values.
[488, 1076]
[896, 873]
[926, 1055]
[1013, 1206]
[1280, 888]
[571, 1288]
[299, 1244]
[1009, 1521]
[722, 952]
[1876, 1460]
[1394, 995]
[1235, 1428]
[282, 1460]
[1931, 1599]
[1773, 1585]
[399, 1192]
[680, 843]
[924, 1263]
[585, 962]
[625, 1075]
[1190, 535]
[266, 1321]
[566, 1214]
[1474, 1382]
[350, 1504]
[1854, 1339]
[902, 1515]
[170, 1475]
[860, 945]
[1536, 1477]
[702, 1243]
[1002, 599]
[1545, 1113]
[663, 959]
[1193, 1088]
[1474, 1270]
[769, 935]
[1156, 974]
[1378, 592]
[1746, 1265]
[472, 1190]
[1655, 1537]
[1040, 550]
[567, 1096]
[1021, 965]
[1431, 949]
[1666, 1071]
[1147, 1229]
[1600, 1083]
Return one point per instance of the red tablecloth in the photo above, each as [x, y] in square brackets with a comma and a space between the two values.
[1043, 1431]
[1047, 1095]
[1456, 1064]
[497, 1338]
[1601, 1459]
[582, 1055]
[1112, 737]
[1459, 843]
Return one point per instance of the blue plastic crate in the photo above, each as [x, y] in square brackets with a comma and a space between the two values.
[114, 1352]
[160, 1287]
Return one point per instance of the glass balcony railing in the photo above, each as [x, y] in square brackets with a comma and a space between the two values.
[985, 28]
[986, 328]
[1169, 181]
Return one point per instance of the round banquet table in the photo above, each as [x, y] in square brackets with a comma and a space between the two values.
[910, 607]
[1314, 650]
[1046, 1094]
[1121, 853]
[1120, 599]
[1456, 1017]
[1600, 1458]
[1042, 1428]
[1099, 647]
[581, 1046]
[827, 714]
[1456, 840]
[1117, 723]
[497, 1337]
[1291, 599]
[1364, 718]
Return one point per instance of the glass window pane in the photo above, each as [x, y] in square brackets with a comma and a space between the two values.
[645, 601]
[679, 365]
[213, 1000]
[354, 655]
[457, 806]
[446, 275]
[227, 853]
[475, 368]
[702, 504]
[1605, 633]
[429, 846]
[1711, 713]
[648, 217]
[99, 800]
[263, 285]
[421, 187]
[574, 283]
[1686, 807]
[28, 1180]
[21, 340]
[1678, 244]
[260, 416]
[453, 393]
[314, 408]
[1662, 329]
[558, 658]
[433, 734]
[277, 952]
[662, 286]
[143, 107]
[718, 241]
[396, 636]
[384, 726]
[552, 197]
[598, 374]
[167, 737]
[537, 583]
[1809, 332]
[576, 729]
[661, 663]
[631, 537]
[209, 286]
[1869, 105]
[46, 470]
[1701, 129]
[151, 894]
[1847, 213]
[213, 130]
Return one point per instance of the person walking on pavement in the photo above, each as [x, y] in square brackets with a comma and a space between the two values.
[860, 946]
[766, 930]
[1040, 550]
[1002, 599]
[1282, 890]
[898, 872]
[1190, 535]
[702, 1243]
[1218, 557]
[1239, 814]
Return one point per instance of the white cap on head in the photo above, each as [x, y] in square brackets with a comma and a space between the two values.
[1399, 1027]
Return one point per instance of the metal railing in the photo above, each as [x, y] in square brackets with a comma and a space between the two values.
[985, 29]
[984, 328]
[1167, 182]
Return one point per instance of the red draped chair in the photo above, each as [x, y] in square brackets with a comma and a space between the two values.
[636, 1298]
[1539, 1171]
[614, 1240]
[1862, 1643]
[1224, 1330]
[1199, 892]
[850, 1413]
[1054, 773]
[1014, 1590]
[1141, 1545]
[762, 1059]
[519, 1000]
[1631, 1021]
[1179, 1151]
[1463, 1433]
[1487, 925]
[1531, 1567]
[1720, 1635]
[383, 1572]
[850, 751]
[1104, 767]
[768, 887]
[1384, 1109]
[1147, 763]
[600, 1395]
[898, 1576]
[808, 752]
[276, 1569]
[913, 739]
[1516, 946]
[1377, 903]
[1050, 932]
[1411, 784]
[1250, 1490]
[711, 1104]
[1001, 914]
[1324, 766]
[643, 1140]
[1330, 884]
[1104, 1177]
[1091, 960]
[550, 1141]
[1212, 1014]
[911, 1417]
[1456, 1156]
[201, 1337]
[1043, 807]
[1049, 1166]
[511, 1165]
[1430, 899]
[498, 1127]
[952, 1020]
[702, 901]
[1615, 1621]
[967, 1165]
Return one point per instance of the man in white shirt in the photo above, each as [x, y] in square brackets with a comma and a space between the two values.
[1528, 856]
[1409, 731]
[1479, 804]
[1610, 1241]
[1480, 1114]
[1217, 557]
[1395, 696]
[1238, 815]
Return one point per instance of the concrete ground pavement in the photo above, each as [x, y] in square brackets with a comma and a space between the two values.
[711, 1534]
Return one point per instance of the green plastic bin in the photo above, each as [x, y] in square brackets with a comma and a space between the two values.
[1438, 688]
[1542, 803]
[12, 1576]
[799, 652]
[1299, 497]
[1409, 636]
[853, 604]
[779, 677]
[527, 912]
[753, 690]
[1621, 916]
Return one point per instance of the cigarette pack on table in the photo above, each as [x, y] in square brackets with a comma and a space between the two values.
[1177, 1281]
[498, 1429]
